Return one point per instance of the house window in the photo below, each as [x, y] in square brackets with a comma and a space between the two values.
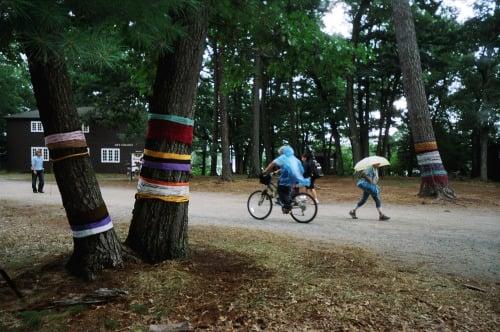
[36, 127]
[110, 155]
[45, 152]
[85, 128]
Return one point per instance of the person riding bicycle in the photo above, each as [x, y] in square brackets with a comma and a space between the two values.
[291, 175]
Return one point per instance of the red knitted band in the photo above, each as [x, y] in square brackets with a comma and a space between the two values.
[170, 131]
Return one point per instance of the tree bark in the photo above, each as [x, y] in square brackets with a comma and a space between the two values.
[215, 113]
[434, 178]
[476, 153]
[351, 116]
[339, 160]
[221, 109]
[257, 86]
[224, 124]
[80, 193]
[158, 230]
[267, 125]
[483, 138]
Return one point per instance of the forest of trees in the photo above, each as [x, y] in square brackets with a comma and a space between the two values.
[253, 75]
[270, 75]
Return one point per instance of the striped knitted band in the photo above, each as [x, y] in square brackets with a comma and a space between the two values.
[164, 183]
[169, 131]
[167, 166]
[162, 160]
[97, 227]
[152, 188]
[429, 158]
[166, 155]
[435, 179]
[76, 135]
[425, 146]
[170, 199]
[67, 144]
[171, 118]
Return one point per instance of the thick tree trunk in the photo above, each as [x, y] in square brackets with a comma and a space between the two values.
[257, 87]
[433, 174]
[80, 193]
[158, 230]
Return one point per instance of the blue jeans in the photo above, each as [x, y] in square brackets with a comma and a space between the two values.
[285, 195]
[39, 175]
[369, 189]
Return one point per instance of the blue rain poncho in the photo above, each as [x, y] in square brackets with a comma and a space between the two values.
[292, 171]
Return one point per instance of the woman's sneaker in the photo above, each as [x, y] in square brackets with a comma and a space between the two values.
[384, 217]
[352, 213]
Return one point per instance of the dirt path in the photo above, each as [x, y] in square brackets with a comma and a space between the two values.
[461, 241]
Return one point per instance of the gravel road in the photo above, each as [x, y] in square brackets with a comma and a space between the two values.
[455, 240]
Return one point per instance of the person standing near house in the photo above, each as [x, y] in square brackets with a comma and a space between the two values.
[37, 171]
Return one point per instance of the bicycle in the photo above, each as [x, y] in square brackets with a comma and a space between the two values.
[260, 202]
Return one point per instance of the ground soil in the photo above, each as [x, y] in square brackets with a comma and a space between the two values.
[414, 272]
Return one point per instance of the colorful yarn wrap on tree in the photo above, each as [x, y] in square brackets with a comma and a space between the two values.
[169, 128]
[64, 144]
[169, 131]
[431, 166]
[90, 222]
[72, 139]
[425, 147]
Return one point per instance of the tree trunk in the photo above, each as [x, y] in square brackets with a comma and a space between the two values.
[351, 117]
[483, 138]
[476, 153]
[204, 157]
[434, 178]
[365, 120]
[215, 114]
[221, 109]
[158, 230]
[339, 161]
[224, 129]
[257, 87]
[266, 124]
[95, 246]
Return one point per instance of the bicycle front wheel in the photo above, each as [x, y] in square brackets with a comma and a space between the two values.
[304, 208]
[259, 205]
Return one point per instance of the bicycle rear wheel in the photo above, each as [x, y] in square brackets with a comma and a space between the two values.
[304, 208]
[259, 204]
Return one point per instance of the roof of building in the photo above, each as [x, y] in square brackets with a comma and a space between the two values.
[36, 115]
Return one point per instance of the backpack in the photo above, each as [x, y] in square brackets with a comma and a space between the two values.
[316, 169]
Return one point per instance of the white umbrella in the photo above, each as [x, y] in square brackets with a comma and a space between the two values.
[370, 161]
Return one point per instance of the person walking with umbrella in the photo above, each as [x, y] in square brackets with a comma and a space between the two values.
[368, 173]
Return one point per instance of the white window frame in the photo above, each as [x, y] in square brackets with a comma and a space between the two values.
[36, 126]
[85, 128]
[110, 155]
[45, 152]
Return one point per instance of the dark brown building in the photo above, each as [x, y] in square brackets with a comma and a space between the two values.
[108, 153]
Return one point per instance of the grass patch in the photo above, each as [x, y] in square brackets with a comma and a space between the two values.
[241, 279]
